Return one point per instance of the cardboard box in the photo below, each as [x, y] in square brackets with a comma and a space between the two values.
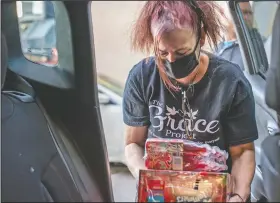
[182, 186]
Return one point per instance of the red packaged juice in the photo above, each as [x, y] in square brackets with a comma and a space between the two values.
[164, 154]
[182, 186]
[178, 155]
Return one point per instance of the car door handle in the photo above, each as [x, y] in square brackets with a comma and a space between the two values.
[272, 128]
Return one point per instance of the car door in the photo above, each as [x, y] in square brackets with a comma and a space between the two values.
[67, 95]
[253, 23]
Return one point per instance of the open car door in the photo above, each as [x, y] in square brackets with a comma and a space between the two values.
[253, 22]
[53, 147]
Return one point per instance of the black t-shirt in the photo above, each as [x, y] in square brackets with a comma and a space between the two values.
[221, 105]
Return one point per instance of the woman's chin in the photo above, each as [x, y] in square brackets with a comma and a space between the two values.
[188, 79]
[183, 81]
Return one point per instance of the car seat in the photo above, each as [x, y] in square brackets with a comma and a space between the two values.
[32, 169]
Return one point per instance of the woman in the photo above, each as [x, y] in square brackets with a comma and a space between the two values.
[184, 93]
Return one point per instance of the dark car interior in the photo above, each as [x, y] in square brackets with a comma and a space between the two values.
[30, 154]
[53, 147]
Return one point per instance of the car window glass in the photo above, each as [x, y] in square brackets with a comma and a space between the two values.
[258, 17]
[37, 31]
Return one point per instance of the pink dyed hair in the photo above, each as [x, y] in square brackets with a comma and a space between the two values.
[158, 17]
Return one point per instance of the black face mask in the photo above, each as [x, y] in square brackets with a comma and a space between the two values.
[181, 67]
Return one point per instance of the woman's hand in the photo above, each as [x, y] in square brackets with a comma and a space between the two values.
[235, 198]
[134, 149]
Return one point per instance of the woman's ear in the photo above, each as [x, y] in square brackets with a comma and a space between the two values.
[203, 37]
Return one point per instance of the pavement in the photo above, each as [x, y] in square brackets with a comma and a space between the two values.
[124, 184]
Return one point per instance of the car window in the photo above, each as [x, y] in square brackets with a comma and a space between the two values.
[37, 31]
[111, 84]
[258, 17]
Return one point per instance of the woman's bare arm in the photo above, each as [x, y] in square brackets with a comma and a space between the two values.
[135, 138]
[243, 169]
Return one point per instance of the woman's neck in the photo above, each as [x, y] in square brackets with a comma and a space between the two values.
[198, 72]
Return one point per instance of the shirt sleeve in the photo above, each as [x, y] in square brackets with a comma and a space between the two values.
[135, 108]
[240, 125]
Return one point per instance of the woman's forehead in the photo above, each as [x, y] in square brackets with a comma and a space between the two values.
[177, 39]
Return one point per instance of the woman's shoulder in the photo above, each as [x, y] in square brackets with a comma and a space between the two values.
[225, 69]
[230, 81]
[142, 75]
[144, 67]
[229, 76]
[144, 70]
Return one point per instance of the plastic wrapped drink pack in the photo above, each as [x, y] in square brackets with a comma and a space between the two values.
[183, 155]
